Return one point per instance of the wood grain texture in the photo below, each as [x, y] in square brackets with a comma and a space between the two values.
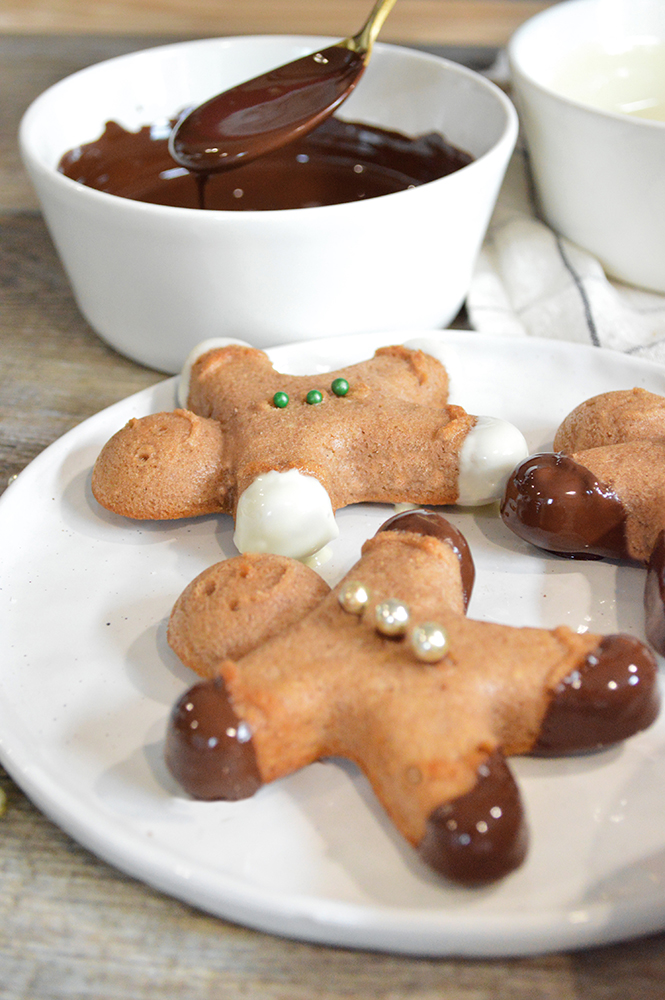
[443, 22]
[71, 927]
[54, 371]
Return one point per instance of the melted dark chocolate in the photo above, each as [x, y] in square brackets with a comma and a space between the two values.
[429, 522]
[559, 505]
[336, 162]
[266, 112]
[612, 696]
[208, 749]
[654, 596]
[481, 836]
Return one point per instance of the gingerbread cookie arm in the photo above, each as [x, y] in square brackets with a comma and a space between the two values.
[607, 502]
[620, 437]
[555, 503]
[611, 695]
[163, 466]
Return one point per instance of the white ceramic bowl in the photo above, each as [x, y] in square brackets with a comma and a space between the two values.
[154, 281]
[578, 68]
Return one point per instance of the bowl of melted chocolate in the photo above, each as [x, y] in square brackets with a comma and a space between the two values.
[371, 221]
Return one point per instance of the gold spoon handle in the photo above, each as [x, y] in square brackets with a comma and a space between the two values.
[364, 40]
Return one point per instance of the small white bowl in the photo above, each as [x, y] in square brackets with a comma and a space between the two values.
[578, 69]
[154, 281]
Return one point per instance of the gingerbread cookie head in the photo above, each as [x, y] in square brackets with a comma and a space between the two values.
[387, 671]
[601, 493]
[281, 453]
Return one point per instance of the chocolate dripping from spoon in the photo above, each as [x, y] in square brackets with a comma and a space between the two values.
[270, 110]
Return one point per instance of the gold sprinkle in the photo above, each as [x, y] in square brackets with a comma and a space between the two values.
[391, 617]
[429, 642]
[354, 597]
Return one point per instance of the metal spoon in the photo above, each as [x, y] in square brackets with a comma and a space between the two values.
[272, 109]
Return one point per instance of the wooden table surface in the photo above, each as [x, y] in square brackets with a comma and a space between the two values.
[70, 926]
[440, 22]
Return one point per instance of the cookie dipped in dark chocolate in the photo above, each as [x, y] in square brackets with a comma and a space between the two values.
[613, 695]
[429, 522]
[482, 836]
[337, 162]
[559, 505]
[208, 749]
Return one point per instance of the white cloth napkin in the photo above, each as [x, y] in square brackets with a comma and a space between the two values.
[530, 282]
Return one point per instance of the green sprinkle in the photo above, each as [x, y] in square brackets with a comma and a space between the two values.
[280, 399]
[313, 397]
[340, 386]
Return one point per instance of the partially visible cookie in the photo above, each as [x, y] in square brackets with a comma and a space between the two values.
[612, 418]
[601, 493]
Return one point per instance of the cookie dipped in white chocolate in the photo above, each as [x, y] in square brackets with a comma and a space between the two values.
[285, 513]
[493, 448]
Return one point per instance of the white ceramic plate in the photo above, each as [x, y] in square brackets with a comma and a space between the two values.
[87, 682]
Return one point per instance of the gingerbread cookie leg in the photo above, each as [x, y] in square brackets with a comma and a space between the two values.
[483, 835]
[388, 672]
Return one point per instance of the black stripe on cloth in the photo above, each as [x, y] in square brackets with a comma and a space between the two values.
[588, 315]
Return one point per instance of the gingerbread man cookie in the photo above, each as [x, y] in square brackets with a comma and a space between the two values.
[281, 452]
[601, 494]
[387, 671]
